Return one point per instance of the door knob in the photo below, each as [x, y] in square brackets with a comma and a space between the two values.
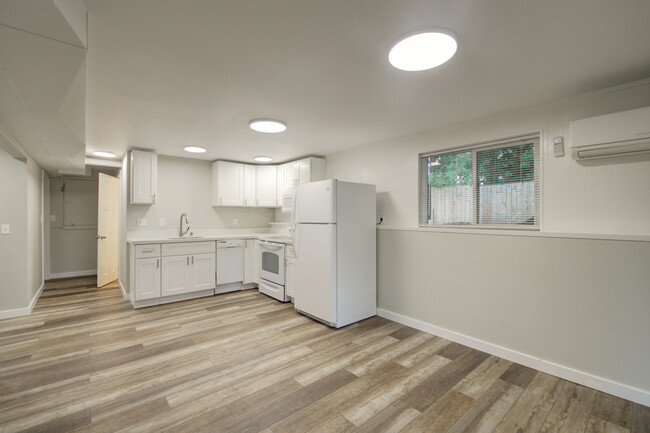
[100, 237]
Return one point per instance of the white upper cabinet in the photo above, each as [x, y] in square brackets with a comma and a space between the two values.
[249, 185]
[279, 185]
[235, 184]
[265, 186]
[302, 171]
[227, 184]
[144, 177]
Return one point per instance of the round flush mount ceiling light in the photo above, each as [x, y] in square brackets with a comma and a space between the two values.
[263, 159]
[268, 126]
[423, 50]
[102, 154]
[194, 149]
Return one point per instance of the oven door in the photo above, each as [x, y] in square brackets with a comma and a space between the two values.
[272, 262]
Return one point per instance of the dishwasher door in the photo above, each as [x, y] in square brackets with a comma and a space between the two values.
[230, 261]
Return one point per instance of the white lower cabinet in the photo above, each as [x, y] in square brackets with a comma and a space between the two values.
[202, 273]
[147, 278]
[184, 274]
[250, 262]
[289, 263]
[171, 269]
[175, 275]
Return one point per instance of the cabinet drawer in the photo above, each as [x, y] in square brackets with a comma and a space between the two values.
[145, 251]
[185, 248]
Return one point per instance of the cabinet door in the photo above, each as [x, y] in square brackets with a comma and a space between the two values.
[289, 278]
[249, 261]
[265, 186]
[147, 278]
[175, 275]
[256, 262]
[291, 174]
[144, 177]
[279, 184]
[202, 273]
[304, 170]
[227, 184]
[249, 185]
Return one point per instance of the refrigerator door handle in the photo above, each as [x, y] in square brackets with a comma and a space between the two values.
[296, 240]
[294, 199]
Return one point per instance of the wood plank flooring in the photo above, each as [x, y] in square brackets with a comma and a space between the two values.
[242, 362]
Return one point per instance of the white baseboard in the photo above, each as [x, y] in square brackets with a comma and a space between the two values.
[124, 294]
[583, 378]
[73, 274]
[18, 312]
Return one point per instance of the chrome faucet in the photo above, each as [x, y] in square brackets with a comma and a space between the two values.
[181, 233]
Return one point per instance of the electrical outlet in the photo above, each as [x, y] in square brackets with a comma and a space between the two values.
[161, 222]
[142, 222]
[235, 221]
[5, 229]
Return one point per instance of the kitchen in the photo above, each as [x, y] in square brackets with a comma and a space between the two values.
[464, 317]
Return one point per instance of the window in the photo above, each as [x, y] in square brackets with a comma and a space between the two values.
[489, 185]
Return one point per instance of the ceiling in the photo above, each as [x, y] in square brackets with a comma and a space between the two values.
[162, 75]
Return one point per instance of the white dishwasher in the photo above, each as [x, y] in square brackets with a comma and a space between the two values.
[230, 261]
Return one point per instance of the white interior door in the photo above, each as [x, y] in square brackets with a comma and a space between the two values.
[107, 229]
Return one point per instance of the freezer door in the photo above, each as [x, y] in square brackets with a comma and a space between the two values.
[315, 271]
[315, 202]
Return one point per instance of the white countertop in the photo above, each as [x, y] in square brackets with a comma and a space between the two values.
[154, 237]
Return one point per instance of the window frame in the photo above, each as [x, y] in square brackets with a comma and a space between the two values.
[535, 136]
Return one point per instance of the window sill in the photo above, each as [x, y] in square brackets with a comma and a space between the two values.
[530, 232]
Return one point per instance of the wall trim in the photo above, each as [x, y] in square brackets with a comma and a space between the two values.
[583, 378]
[19, 312]
[72, 274]
[124, 294]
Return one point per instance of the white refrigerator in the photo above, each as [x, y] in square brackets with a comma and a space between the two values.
[334, 238]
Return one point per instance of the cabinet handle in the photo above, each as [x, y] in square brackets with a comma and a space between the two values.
[147, 251]
[157, 263]
[188, 260]
[192, 260]
[153, 198]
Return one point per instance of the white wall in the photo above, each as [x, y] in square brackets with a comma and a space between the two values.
[73, 252]
[579, 308]
[21, 251]
[34, 228]
[13, 247]
[122, 249]
[184, 186]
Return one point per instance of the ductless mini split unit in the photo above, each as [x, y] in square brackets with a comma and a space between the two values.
[618, 134]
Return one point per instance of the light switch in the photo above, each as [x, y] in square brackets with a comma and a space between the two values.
[142, 222]
[161, 222]
[5, 229]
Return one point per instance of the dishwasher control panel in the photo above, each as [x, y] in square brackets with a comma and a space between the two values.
[235, 243]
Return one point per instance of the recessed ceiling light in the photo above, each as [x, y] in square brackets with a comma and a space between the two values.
[104, 154]
[423, 50]
[194, 149]
[268, 126]
[263, 159]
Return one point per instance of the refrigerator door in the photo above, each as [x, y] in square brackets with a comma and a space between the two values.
[315, 271]
[315, 202]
